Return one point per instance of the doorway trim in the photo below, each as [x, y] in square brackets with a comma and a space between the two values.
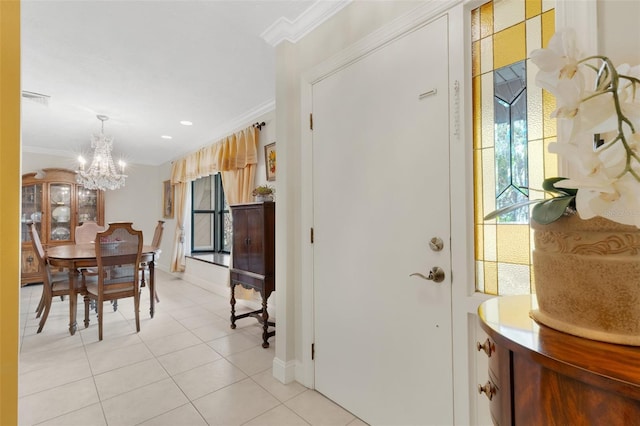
[406, 23]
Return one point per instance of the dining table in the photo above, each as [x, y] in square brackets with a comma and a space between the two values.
[75, 257]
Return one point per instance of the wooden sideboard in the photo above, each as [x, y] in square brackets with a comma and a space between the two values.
[540, 376]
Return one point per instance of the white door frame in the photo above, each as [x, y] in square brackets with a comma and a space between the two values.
[582, 17]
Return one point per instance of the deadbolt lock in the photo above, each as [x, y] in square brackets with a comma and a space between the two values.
[436, 244]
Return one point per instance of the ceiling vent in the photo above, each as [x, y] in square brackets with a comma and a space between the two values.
[36, 97]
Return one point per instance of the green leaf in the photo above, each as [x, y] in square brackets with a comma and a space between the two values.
[549, 185]
[551, 210]
[510, 208]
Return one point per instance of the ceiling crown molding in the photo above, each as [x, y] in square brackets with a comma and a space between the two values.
[284, 29]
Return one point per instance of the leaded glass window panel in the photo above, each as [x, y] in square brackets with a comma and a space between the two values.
[510, 139]
[511, 132]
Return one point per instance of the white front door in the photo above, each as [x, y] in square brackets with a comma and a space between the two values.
[380, 194]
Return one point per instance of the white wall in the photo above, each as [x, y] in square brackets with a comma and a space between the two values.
[619, 33]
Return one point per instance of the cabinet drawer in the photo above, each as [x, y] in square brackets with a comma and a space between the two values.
[30, 263]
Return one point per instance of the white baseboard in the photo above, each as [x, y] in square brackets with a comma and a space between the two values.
[285, 372]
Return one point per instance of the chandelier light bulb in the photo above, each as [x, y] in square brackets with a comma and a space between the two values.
[101, 174]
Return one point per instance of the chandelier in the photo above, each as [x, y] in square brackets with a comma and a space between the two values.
[102, 173]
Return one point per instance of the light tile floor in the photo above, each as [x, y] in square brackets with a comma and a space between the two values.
[185, 367]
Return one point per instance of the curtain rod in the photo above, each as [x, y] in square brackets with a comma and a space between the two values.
[259, 125]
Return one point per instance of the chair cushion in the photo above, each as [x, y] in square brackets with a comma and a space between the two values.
[60, 285]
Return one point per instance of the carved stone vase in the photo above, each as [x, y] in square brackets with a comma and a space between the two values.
[587, 278]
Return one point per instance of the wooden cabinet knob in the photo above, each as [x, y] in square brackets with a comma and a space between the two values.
[488, 347]
[488, 389]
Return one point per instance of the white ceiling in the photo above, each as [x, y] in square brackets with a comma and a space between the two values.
[147, 65]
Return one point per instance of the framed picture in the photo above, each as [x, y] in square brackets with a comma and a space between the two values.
[270, 160]
[167, 200]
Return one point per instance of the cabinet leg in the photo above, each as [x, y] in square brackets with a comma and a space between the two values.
[265, 323]
[233, 307]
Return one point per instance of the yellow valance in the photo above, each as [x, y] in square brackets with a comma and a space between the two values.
[233, 152]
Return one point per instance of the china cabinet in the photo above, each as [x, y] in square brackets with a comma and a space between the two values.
[56, 204]
[254, 258]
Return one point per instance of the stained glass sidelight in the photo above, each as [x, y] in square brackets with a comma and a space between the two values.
[511, 130]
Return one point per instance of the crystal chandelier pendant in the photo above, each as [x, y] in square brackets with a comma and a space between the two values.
[102, 173]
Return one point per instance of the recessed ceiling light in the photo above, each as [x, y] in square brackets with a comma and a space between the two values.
[166, 137]
[186, 123]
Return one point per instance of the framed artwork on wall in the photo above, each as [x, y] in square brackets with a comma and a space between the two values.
[270, 161]
[167, 200]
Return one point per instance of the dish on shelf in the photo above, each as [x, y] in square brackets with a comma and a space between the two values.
[36, 217]
[60, 196]
[60, 233]
[61, 214]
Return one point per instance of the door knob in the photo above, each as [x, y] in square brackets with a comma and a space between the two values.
[436, 244]
[436, 274]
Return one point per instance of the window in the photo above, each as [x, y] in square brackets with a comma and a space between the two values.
[511, 132]
[210, 216]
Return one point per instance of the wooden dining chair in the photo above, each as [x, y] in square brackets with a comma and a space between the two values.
[144, 266]
[118, 253]
[86, 233]
[53, 283]
[155, 243]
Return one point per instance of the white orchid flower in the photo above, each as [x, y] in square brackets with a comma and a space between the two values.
[619, 201]
[598, 114]
[629, 93]
[586, 160]
[560, 57]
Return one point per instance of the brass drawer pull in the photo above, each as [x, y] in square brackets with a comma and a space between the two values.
[488, 389]
[488, 347]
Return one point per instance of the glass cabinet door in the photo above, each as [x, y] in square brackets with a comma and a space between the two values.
[60, 199]
[31, 210]
[87, 205]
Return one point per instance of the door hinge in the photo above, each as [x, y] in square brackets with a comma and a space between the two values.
[311, 121]
[313, 351]
[311, 235]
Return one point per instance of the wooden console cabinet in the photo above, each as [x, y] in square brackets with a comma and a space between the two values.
[253, 258]
[540, 376]
[56, 204]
